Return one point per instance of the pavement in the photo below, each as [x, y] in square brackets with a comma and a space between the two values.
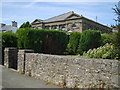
[11, 79]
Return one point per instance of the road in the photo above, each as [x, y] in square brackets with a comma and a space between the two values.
[12, 79]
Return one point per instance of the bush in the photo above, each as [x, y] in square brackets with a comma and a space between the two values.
[9, 39]
[108, 51]
[73, 43]
[117, 40]
[89, 39]
[106, 38]
[42, 41]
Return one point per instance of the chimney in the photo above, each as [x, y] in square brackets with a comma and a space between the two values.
[14, 24]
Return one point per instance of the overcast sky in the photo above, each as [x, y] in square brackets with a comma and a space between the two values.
[29, 11]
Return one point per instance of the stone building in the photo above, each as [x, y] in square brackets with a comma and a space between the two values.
[70, 22]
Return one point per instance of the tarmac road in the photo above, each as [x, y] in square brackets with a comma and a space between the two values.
[12, 79]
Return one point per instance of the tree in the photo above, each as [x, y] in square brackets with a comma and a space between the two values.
[26, 25]
[117, 11]
[117, 36]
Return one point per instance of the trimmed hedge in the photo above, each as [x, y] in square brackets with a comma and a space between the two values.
[106, 38]
[117, 40]
[9, 39]
[73, 44]
[42, 41]
[89, 39]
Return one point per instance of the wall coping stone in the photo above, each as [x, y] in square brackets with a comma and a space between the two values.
[26, 50]
[76, 57]
[10, 48]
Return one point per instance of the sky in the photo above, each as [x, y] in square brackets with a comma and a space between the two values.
[29, 11]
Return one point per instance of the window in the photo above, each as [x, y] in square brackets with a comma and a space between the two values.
[55, 27]
[63, 28]
[47, 27]
[74, 26]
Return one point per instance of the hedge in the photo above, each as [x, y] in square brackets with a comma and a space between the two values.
[106, 38]
[73, 44]
[42, 41]
[117, 40]
[89, 39]
[9, 39]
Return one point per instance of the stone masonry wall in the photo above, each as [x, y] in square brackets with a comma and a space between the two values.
[73, 71]
[21, 60]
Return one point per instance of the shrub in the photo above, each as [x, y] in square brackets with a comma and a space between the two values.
[9, 39]
[43, 41]
[106, 38]
[89, 39]
[117, 40]
[73, 42]
[108, 51]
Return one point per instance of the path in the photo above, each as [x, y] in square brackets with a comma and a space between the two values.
[11, 79]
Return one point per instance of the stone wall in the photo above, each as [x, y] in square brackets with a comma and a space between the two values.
[68, 71]
[73, 71]
[22, 60]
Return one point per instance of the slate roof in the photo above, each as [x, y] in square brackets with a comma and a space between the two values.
[60, 17]
[8, 27]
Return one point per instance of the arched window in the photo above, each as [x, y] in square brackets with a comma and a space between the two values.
[55, 27]
[47, 27]
[63, 28]
[74, 26]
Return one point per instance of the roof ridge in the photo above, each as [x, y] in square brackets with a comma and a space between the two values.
[60, 15]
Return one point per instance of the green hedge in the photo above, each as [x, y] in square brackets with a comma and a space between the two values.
[42, 41]
[117, 40]
[106, 38]
[9, 39]
[73, 44]
[89, 39]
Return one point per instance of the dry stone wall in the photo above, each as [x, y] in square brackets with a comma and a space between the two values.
[73, 71]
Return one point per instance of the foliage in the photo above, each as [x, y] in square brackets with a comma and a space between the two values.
[117, 11]
[9, 39]
[22, 35]
[73, 43]
[26, 25]
[89, 39]
[117, 40]
[106, 38]
[108, 51]
[43, 41]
